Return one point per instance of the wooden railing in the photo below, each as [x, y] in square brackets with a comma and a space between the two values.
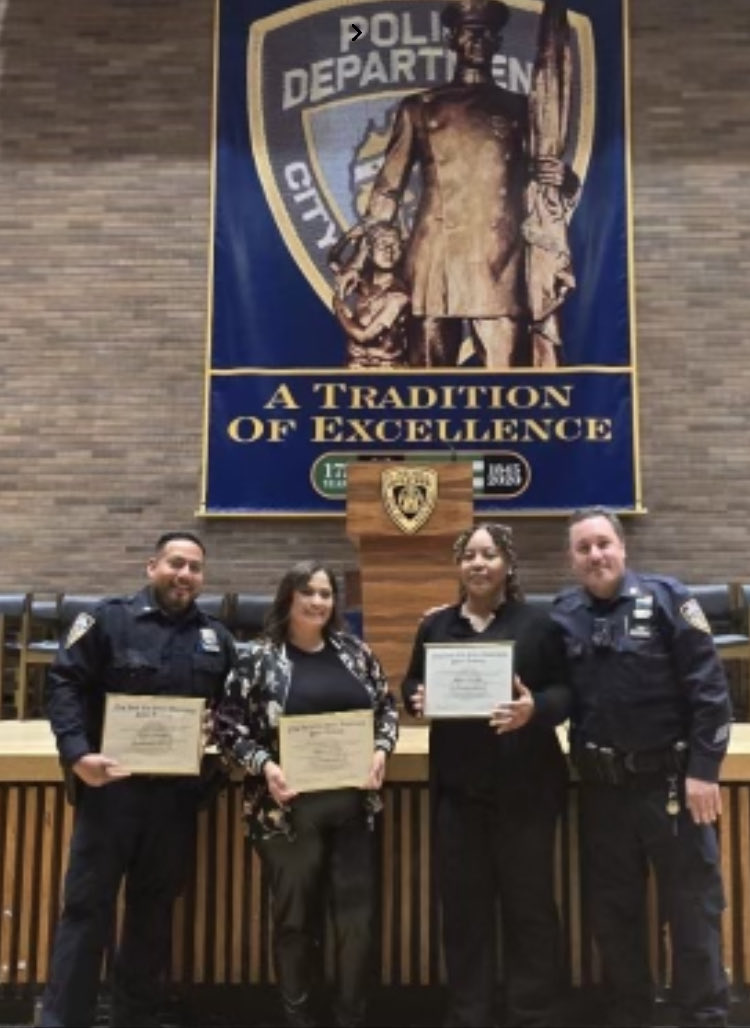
[222, 924]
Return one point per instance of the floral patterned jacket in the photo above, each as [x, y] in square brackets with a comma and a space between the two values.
[246, 724]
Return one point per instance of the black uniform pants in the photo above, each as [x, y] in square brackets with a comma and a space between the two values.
[144, 829]
[503, 849]
[330, 858]
[625, 827]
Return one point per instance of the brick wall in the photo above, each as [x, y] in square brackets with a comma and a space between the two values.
[104, 183]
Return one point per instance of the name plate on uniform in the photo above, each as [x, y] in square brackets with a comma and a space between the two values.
[154, 735]
[326, 751]
[467, 680]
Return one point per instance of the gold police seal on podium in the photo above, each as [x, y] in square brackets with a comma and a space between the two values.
[409, 496]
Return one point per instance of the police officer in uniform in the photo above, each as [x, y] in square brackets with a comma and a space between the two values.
[649, 729]
[140, 827]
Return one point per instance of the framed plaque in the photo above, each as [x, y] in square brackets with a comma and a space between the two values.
[155, 735]
[326, 751]
[467, 679]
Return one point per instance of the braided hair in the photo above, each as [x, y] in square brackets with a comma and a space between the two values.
[502, 537]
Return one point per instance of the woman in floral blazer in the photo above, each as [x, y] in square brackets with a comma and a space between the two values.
[312, 844]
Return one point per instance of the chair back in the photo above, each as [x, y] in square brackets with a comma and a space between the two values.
[73, 604]
[247, 615]
[213, 604]
[540, 601]
[12, 610]
[717, 603]
[39, 639]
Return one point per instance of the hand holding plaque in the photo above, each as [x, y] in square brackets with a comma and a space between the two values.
[467, 680]
[327, 751]
[156, 735]
[509, 717]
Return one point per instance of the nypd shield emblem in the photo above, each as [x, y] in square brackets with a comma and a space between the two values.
[321, 107]
[78, 629]
[409, 496]
[692, 612]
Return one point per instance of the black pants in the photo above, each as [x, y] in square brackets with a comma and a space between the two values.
[329, 859]
[143, 829]
[623, 828]
[499, 850]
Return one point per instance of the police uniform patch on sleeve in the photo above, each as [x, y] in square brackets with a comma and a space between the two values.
[692, 612]
[79, 628]
[721, 734]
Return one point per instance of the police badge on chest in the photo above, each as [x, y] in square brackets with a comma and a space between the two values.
[209, 641]
[641, 624]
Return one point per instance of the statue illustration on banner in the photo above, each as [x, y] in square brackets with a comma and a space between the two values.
[486, 261]
[426, 190]
[421, 251]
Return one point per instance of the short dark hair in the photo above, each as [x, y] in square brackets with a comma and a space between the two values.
[296, 578]
[168, 537]
[584, 513]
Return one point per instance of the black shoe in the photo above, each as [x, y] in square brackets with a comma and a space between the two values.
[344, 1017]
[297, 1013]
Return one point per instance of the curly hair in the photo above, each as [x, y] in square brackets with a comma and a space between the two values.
[502, 537]
[296, 578]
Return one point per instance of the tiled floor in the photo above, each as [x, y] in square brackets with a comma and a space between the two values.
[229, 1007]
[235, 1007]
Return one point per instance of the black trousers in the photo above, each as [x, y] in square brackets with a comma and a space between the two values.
[329, 861]
[143, 829]
[489, 851]
[623, 828]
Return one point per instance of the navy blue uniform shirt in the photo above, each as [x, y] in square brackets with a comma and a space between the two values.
[130, 645]
[645, 672]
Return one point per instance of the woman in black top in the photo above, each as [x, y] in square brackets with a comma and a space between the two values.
[498, 787]
[316, 847]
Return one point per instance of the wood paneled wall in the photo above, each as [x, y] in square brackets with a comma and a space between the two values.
[222, 924]
[403, 575]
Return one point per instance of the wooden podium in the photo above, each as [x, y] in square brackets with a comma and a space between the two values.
[403, 574]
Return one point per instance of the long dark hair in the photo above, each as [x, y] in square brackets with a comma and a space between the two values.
[296, 579]
[502, 537]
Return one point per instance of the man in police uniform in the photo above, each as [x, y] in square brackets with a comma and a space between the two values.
[465, 255]
[649, 729]
[141, 827]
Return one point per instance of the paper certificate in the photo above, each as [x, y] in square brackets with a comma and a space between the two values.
[467, 680]
[155, 735]
[326, 751]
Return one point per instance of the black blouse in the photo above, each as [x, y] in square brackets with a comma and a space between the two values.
[467, 755]
[321, 684]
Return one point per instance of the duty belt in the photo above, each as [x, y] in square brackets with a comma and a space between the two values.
[611, 766]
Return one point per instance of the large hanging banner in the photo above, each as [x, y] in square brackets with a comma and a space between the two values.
[421, 252]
